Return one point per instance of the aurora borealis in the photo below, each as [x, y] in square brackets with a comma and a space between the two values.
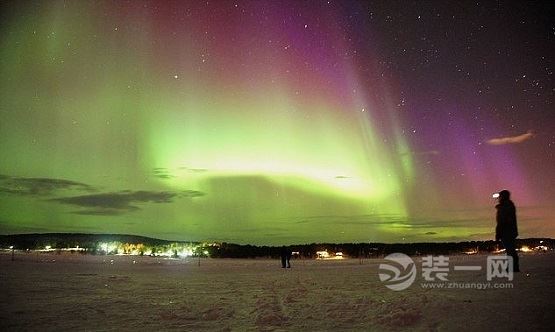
[273, 122]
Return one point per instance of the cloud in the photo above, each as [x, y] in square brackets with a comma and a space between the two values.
[115, 203]
[191, 193]
[101, 212]
[164, 176]
[511, 139]
[162, 173]
[38, 186]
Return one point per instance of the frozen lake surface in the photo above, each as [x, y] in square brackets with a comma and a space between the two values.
[115, 293]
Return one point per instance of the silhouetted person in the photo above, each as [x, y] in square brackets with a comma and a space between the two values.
[506, 230]
[285, 255]
[288, 257]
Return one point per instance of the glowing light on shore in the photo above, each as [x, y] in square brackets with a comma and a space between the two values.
[108, 247]
[322, 254]
[525, 249]
[541, 248]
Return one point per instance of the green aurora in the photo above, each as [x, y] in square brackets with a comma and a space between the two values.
[115, 118]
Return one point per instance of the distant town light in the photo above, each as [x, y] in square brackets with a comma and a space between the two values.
[525, 249]
[322, 254]
[541, 248]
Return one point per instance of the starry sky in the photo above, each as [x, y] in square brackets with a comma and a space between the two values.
[274, 122]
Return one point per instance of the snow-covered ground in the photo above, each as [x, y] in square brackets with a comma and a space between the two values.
[83, 292]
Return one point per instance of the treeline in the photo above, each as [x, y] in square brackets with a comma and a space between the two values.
[370, 250]
[71, 240]
[230, 250]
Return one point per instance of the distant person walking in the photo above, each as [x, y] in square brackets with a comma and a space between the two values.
[285, 255]
[506, 230]
[288, 257]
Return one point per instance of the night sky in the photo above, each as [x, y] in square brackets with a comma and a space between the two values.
[272, 122]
